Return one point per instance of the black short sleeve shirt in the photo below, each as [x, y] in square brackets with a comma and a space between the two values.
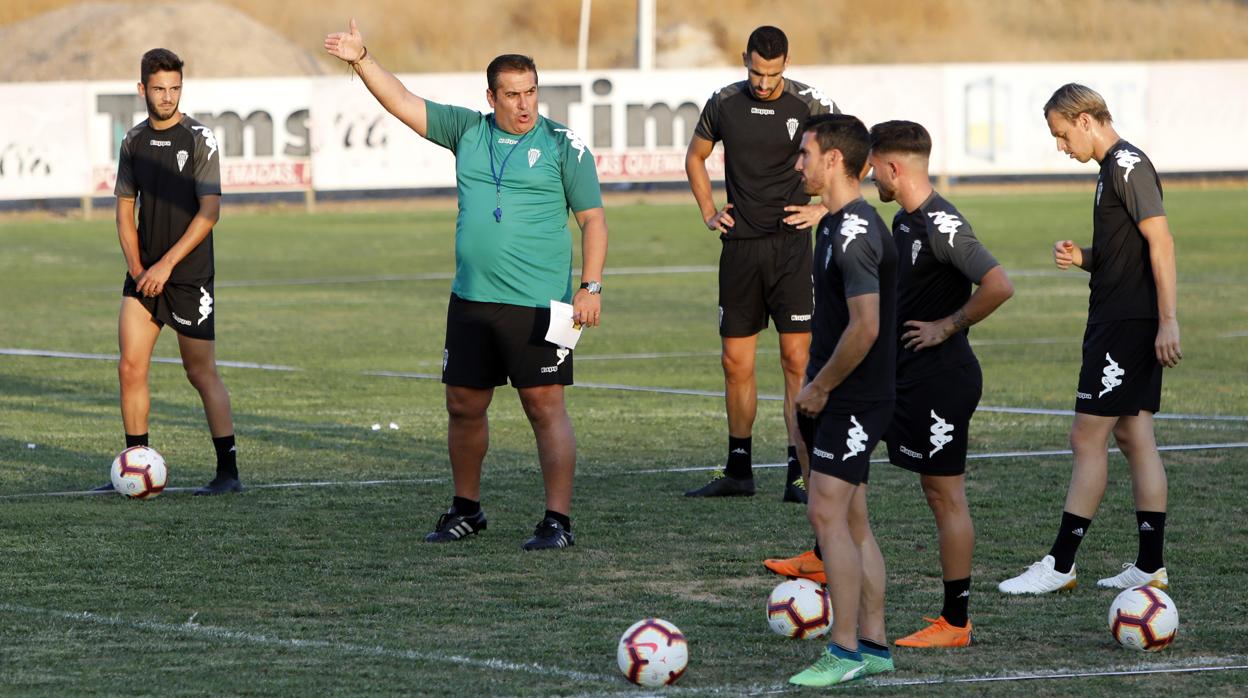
[167, 171]
[1128, 191]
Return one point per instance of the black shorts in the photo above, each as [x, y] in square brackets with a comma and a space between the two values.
[189, 308]
[1120, 374]
[761, 277]
[928, 433]
[489, 343]
[840, 440]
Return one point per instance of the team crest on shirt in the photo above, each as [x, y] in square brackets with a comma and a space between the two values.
[946, 223]
[534, 154]
[182, 157]
[851, 227]
[1100, 185]
[1127, 160]
[791, 124]
[914, 251]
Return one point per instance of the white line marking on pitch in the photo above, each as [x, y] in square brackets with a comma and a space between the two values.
[971, 456]
[596, 386]
[269, 486]
[225, 634]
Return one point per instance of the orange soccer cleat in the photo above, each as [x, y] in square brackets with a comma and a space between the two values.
[805, 566]
[938, 634]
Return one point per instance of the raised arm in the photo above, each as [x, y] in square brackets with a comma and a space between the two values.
[389, 91]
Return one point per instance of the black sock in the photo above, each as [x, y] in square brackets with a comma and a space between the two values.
[133, 440]
[465, 507]
[563, 519]
[227, 456]
[795, 467]
[1152, 525]
[865, 645]
[1071, 534]
[739, 465]
[957, 601]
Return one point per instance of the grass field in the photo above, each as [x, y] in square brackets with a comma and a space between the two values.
[327, 589]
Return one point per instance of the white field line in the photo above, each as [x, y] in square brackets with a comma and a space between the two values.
[598, 386]
[1179, 667]
[268, 486]
[970, 456]
[347, 648]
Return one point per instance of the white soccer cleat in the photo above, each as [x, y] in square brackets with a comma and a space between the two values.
[1040, 578]
[1132, 576]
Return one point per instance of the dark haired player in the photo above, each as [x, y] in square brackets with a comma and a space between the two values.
[939, 380]
[518, 175]
[170, 170]
[847, 401]
[764, 266]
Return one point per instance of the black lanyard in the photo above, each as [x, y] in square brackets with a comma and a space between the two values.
[498, 176]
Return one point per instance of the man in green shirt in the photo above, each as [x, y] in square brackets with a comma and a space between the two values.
[517, 173]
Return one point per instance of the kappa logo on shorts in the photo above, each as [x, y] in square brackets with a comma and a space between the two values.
[721, 316]
[946, 223]
[820, 453]
[800, 318]
[179, 320]
[857, 439]
[940, 433]
[446, 357]
[205, 305]
[562, 353]
[791, 124]
[910, 452]
[1112, 377]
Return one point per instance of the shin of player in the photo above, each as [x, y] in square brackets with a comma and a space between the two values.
[939, 380]
[764, 231]
[847, 401]
[1132, 334]
[169, 164]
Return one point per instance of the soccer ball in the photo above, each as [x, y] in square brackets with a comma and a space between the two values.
[653, 653]
[139, 472]
[799, 608]
[1144, 618]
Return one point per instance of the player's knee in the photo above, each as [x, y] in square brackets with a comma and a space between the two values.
[738, 367]
[461, 407]
[202, 377]
[130, 371]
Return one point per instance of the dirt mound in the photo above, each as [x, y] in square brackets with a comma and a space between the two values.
[105, 40]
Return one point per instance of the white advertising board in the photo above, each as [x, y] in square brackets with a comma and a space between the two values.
[43, 140]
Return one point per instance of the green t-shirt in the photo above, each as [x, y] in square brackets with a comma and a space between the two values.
[526, 257]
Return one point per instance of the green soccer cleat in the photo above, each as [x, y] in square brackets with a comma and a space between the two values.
[877, 664]
[829, 670]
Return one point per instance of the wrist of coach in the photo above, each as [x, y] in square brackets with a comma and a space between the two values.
[593, 287]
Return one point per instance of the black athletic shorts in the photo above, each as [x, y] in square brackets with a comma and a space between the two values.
[761, 277]
[489, 343]
[928, 433]
[1120, 374]
[840, 440]
[189, 308]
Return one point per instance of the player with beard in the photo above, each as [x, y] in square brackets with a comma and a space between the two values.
[764, 229]
[1132, 334]
[847, 401]
[170, 170]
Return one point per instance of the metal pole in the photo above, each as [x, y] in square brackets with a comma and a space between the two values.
[582, 44]
[647, 17]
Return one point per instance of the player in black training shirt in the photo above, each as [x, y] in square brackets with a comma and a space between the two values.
[764, 266]
[847, 401]
[939, 381]
[1132, 332]
[170, 168]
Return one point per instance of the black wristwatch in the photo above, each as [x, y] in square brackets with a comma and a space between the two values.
[594, 287]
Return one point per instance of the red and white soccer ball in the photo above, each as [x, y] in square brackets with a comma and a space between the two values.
[799, 608]
[653, 653]
[1144, 618]
[139, 472]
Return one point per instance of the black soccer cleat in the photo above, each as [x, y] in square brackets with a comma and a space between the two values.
[550, 535]
[795, 491]
[106, 487]
[452, 526]
[723, 486]
[220, 485]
